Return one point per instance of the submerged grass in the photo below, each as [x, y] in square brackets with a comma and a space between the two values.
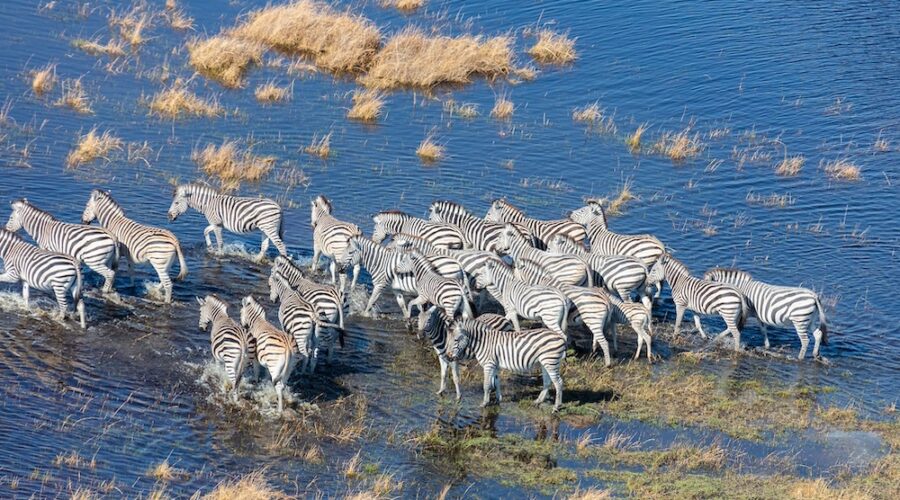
[842, 169]
[552, 47]
[231, 165]
[92, 146]
[790, 166]
[74, 96]
[253, 486]
[224, 59]
[503, 108]
[596, 118]
[679, 146]
[178, 101]
[367, 105]
[403, 5]
[633, 141]
[269, 92]
[429, 151]
[112, 48]
[178, 20]
[43, 80]
[320, 147]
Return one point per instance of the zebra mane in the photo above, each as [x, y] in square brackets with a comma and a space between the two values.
[730, 273]
[414, 240]
[325, 202]
[282, 262]
[11, 236]
[216, 302]
[677, 265]
[24, 203]
[452, 205]
[509, 206]
[195, 187]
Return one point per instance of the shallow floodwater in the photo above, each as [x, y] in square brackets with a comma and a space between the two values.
[135, 389]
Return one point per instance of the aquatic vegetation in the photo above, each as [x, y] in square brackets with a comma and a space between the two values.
[881, 144]
[132, 25]
[465, 110]
[596, 118]
[403, 5]
[224, 58]
[679, 146]
[503, 108]
[92, 146]
[253, 486]
[773, 200]
[74, 96]
[112, 48]
[177, 101]
[339, 42]
[43, 80]
[178, 20]
[411, 58]
[231, 165]
[790, 166]
[429, 151]
[270, 92]
[526, 73]
[552, 47]
[841, 169]
[367, 105]
[320, 147]
[590, 494]
[164, 472]
[625, 195]
[633, 141]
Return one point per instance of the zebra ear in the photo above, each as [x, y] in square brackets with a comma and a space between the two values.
[200, 301]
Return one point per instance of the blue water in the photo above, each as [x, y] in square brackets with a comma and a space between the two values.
[821, 79]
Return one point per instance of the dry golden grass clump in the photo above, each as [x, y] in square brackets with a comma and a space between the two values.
[881, 144]
[429, 151]
[464, 110]
[269, 92]
[403, 5]
[250, 487]
[112, 48]
[178, 101]
[43, 80]
[625, 195]
[163, 471]
[132, 25]
[337, 41]
[790, 166]
[367, 105]
[231, 165]
[74, 96]
[413, 59]
[92, 146]
[679, 146]
[180, 21]
[633, 141]
[320, 147]
[503, 108]
[842, 169]
[224, 58]
[553, 48]
[596, 118]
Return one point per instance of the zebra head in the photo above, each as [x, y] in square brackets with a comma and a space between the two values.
[591, 212]
[485, 275]
[352, 255]
[461, 340]
[431, 322]
[90, 209]
[207, 306]
[495, 212]
[658, 271]
[727, 275]
[16, 217]
[563, 244]
[508, 236]
[320, 205]
[179, 202]
[381, 229]
[251, 311]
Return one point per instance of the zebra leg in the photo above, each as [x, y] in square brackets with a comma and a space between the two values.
[356, 270]
[679, 315]
[317, 252]
[208, 229]
[401, 301]
[263, 247]
[60, 294]
[732, 327]
[25, 294]
[488, 382]
[417, 302]
[764, 330]
[615, 337]
[817, 336]
[804, 339]
[376, 292]
[163, 272]
[444, 365]
[648, 302]
[497, 384]
[277, 241]
[546, 387]
[217, 230]
[513, 318]
[600, 339]
[640, 343]
[279, 389]
[109, 276]
[699, 326]
[558, 385]
[454, 371]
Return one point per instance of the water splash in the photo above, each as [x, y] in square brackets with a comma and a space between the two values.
[255, 396]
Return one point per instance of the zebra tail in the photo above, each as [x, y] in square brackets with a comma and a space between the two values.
[115, 263]
[281, 227]
[76, 294]
[822, 325]
[745, 311]
[182, 273]
[324, 324]
[565, 317]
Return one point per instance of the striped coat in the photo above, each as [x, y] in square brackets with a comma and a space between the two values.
[568, 269]
[330, 238]
[479, 234]
[518, 298]
[543, 230]
[275, 349]
[300, 320]
[438, 234]
[231, 345]
[432, 288]
[329, 302]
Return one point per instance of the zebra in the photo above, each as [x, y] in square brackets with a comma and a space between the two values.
[618, 273]
[543, 303]
[231, 345]
[449, 293]
[503, 211]
[778, 306]
[701, 297]
[234, 213]
[438, 234]
[637, 316]
[275, 349]
[141, 243]
[42, 270]
[328, 301]
[479, 234]
[591, 304]
[436, 327]
[93, 246]
[331, 237]
[645, 247]
[564, 268]
[300, 320]
[516, 351]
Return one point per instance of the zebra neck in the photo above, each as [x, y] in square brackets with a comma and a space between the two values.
[202, 201]
[511, 215]
[520, 249]
[36, 224]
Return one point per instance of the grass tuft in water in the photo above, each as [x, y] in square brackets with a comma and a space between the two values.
[179, 21]
[93, 146]
[405, 6]
[232, 165]
[842, 169]
[552, 47]
[178, 101]
[253, 486]
[503, 108]
[224, 59]
[429, 151]
[790, 166]
[74, 96]
[633, 141]
[320, 147]
[679, 146]
[269, 92]
[367, 105]
[43, 80]
[112, 48]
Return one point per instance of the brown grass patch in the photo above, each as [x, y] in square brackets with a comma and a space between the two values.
[178, 101]
[92, 146]
[881, 144]
[842, 169]
[112, 48]
[43, 80]
[773, 200]
[633, 141]
[132, 25]
[591, 494]
[163, 471]
[74, 96]
[503, 108]
[595, 117]
[337, 41]
[790, 166]
[429, 151]
[679, 146]
[250, 487]
[625, 195]
[464, 110]
[403, 5]
[320, 147]
[178, 20]
[552, 47]
[231, 165]
[352, 466]
[224, 58]
[413, 59]
[367, 105]
[83, 494]
[269, 92]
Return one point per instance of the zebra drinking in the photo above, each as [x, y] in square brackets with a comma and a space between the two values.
[231, 345]
[438, 234]
[543, 303]
[543, 230]
[275, 349]
[331, 237]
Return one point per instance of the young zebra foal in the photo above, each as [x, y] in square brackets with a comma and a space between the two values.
[515, 351]
[331, 238]
[234, 213]
[231, 345]
[778, 306]
[93, 246]
[274, 348]
[438, 234]
[41, 269]
[543, 230]
[142, 243]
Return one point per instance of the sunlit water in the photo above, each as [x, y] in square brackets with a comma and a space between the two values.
[136, 389]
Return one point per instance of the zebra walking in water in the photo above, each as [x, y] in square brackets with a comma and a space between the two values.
[543, 303]
[234, 213]
[331, 237]
[93, 246]
[42, 270]
[701, 297]
[518, 352]
[326, 299]
[300, 320]
[778, 306]
[481, 235]
[231, 345]
[438, 234]
[564, 268]
[432, 288]
[543, 230]
[142, 243]
[275, 349]
[634, 314]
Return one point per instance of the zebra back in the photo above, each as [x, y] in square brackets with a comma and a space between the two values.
[542, 230]
[88, 244]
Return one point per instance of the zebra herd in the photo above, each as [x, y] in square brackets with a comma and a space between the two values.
[556, 273]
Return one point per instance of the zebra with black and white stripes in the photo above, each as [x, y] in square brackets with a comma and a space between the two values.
[701, 297]
[142, 243]
[503, 211]
[299, 319]
[438, 234]
[435, 326]
[448, 293]
[518, 298]
[42, 270]
[93, 246]
[231, 345]
[275, 349]
[778, 306]
[328, 301]
[564, 268]
[518, 352]
[237, 214]
[479, 234]
[330, 238]
[637, 316]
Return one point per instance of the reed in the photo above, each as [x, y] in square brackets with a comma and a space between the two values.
[178, 101]
[253, 486]
[679, 146]
[429, 151]
[589, 113]
[224, 59]
[367, 105]
[112, 48]
[320, 147]
[132, 25]
[503, 108]
[163, 471]
[43, 80]
[881, 144]
[179, 21]
[403, 5]
[553, 48]
[269, 92]
[231, 165]
[625, 195]
[790, 166]
[842, 169]
[92, 146]
[633, 141]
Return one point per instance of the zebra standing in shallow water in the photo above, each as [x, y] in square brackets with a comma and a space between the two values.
[701, 297]
[516, 351]
[438, 234]
[327, 299]
[448, 293]
[274, 348]
[543, 303]
[93, 246]
[300, 320]
[331, 237]
[231, 345]
[634, 314]
[142, 243]
[564, 268]
[778, 306]
[480, 234]
[543, 230]
[41, 269]
[234, 213]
